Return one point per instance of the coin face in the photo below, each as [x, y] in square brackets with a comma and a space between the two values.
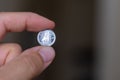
[46, 38]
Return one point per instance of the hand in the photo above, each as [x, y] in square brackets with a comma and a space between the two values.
[16, 64]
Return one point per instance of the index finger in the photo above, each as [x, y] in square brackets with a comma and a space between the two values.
[20, 21]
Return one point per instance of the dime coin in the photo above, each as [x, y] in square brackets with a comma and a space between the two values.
[46, 38]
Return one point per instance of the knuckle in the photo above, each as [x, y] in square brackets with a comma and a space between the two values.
[14, 46]
[11, 47]
[33, 62]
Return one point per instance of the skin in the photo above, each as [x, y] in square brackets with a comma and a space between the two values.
[16, 64]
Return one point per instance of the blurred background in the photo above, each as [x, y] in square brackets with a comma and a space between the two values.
[88, 40]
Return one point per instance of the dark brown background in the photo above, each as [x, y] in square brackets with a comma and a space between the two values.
[87, 45]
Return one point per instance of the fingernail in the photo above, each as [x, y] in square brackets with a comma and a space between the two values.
[47, 53]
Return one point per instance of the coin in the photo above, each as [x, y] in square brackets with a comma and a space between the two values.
[46, 38]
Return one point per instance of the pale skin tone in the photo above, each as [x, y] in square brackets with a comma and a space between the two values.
[16, 64]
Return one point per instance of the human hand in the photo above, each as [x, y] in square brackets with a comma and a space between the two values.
[16, 64]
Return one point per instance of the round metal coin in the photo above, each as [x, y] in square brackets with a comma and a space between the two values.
[46, 38]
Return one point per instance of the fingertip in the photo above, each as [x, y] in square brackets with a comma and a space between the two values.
[39, 22]
[47, 53]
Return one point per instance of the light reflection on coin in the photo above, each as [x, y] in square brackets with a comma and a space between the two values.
[46, 38]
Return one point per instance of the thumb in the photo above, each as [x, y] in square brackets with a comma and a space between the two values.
[28, 65]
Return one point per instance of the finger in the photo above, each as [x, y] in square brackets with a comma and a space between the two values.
[8, 52]
[19, 21]
[29, 64]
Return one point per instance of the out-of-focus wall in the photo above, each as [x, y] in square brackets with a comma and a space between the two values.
[108, 39]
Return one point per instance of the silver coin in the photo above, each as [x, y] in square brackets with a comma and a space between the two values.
[46, 38]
